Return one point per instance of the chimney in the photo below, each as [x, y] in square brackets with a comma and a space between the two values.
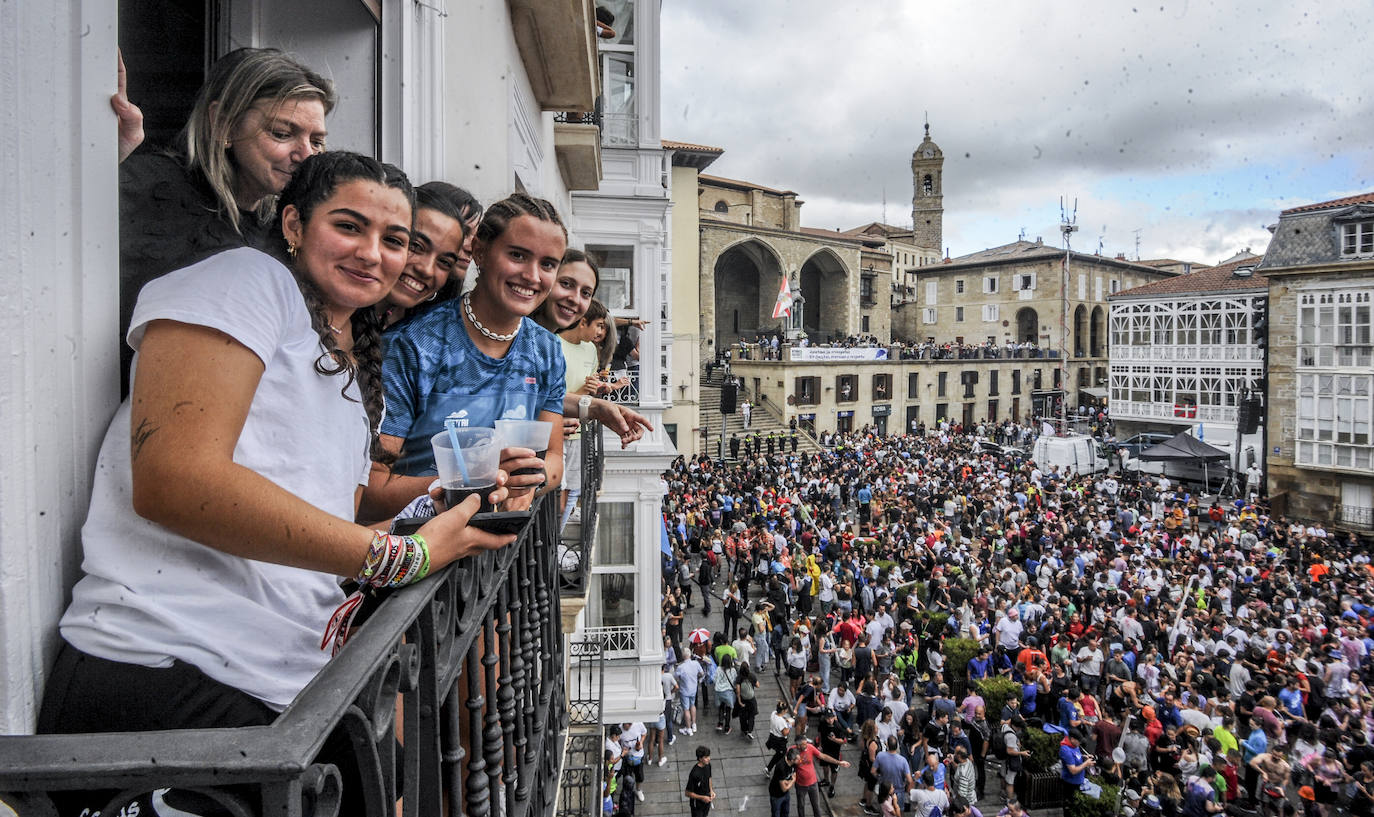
[1039, 239]
[1121, 256]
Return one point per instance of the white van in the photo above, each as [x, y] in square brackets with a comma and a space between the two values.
[1073, 454]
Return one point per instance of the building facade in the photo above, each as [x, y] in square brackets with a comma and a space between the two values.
[624, 225]
[749, 239]
[846, 389]
[1015, 294]
[1320, 269]
[1184, 353]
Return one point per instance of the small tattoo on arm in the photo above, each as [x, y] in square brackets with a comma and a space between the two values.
[142, 432]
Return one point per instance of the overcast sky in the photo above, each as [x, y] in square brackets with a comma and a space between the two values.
[1193, 122]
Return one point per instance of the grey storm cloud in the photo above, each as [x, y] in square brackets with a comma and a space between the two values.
[828, 98]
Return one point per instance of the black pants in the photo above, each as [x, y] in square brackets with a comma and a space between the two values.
[89, 694]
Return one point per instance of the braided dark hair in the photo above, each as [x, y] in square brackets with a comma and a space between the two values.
[502, 213]
[317, 178]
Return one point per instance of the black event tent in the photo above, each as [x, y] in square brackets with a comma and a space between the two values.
[1183, 446]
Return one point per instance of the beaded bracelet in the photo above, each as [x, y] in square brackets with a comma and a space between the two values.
[395, 561]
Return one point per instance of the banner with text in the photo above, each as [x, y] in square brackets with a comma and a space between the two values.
[825, 354]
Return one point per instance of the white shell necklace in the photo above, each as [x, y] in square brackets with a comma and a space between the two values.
[467, 307]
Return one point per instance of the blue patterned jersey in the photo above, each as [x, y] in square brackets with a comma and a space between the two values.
[432, 370]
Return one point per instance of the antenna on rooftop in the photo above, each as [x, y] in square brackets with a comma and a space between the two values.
[1068, 225]
[1021, 236]
[1101, 237]
[884, 204]
[1137, 243]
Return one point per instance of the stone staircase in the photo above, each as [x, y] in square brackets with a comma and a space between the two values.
[762, 421]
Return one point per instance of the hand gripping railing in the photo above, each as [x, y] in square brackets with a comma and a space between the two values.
[475, 654]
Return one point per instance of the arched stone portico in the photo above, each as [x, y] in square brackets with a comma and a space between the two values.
[742, 268]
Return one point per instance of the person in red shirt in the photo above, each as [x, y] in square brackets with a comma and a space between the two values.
[806, 783]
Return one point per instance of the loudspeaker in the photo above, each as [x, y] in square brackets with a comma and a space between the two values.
[727, 398]
[1250, 415]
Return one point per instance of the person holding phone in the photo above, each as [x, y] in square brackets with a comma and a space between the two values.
[223, 507]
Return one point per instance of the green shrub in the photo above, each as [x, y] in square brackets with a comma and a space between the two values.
[996, 692]
[958, 651]
[1080, 805]
[1043, 748]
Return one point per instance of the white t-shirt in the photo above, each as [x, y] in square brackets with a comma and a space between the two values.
[151, 596]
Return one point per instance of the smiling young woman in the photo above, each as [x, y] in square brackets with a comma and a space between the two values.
[477, 358]
[223, 508]
[440, 251]
[259, 115]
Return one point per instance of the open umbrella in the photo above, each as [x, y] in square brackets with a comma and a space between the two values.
[699, 636]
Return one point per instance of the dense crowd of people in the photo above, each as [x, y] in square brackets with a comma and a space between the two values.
[773, 347]
[1198, 655]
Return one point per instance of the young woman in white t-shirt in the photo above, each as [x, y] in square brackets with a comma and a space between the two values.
[222, 511]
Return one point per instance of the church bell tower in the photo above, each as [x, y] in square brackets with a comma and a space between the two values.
[927, 200]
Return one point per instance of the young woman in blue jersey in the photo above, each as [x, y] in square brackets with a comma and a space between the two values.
[478, 359]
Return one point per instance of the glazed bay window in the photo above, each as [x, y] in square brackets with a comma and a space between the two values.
[613, 568]
[617, 265]
[620, 122]
[1335, 416]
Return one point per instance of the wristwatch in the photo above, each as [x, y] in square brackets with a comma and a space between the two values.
[584, 406]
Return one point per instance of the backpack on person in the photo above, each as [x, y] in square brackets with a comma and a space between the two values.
[998, 743]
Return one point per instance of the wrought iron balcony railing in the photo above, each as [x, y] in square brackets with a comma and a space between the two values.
[580, 787]
[627, 395]
[475, 655]
[575, 556]
[592, 117]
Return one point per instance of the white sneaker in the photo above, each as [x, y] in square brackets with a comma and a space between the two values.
[639, 795]
[662, 760]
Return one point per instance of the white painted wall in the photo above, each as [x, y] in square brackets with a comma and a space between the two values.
[493, 127]
[59, 304]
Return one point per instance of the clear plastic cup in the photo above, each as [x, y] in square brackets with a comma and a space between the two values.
[532, 434]
[481, 457]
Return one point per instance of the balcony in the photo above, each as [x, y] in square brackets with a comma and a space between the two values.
[577, 147]
[575, 551]
[558, 48]
[475, 656]
[1357, 517]
[580, 787]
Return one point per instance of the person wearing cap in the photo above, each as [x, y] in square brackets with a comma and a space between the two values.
[1075, 763]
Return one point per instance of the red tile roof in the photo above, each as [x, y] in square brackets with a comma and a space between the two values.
[1213, 279]
[1362, 198]
[669, 144]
